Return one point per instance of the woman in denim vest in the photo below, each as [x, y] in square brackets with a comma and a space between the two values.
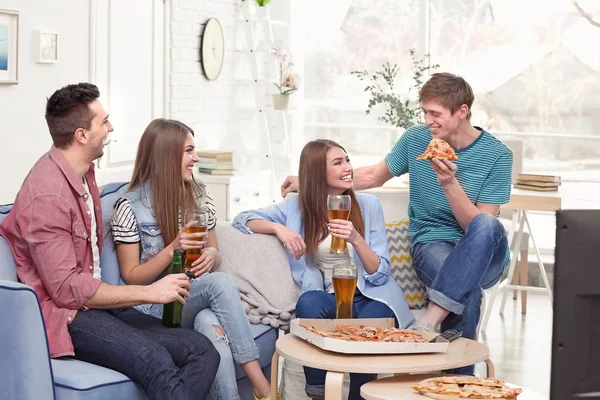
[150, 215]
[302, 224]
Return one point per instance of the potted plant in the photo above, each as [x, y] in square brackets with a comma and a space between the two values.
[287, 83]
[401, 112]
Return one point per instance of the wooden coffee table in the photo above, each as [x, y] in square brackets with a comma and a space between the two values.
[398, 388]
[462, 352]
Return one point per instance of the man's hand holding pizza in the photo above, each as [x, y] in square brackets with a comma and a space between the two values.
[445, 171]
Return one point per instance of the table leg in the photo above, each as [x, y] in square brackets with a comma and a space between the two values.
[274, 373]
[540, 263]
[334, 385]
[488, 310]
[515, 280]
[513, 262]
[524, 269]
[491, 370]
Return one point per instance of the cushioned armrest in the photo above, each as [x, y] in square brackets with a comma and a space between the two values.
[25, 366]
[8, 269]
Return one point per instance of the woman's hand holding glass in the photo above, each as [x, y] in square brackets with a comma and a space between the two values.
[206, 262]
[291, 240]
[185, 240]
[343, 229]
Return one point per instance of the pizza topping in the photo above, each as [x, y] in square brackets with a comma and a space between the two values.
[439, 149]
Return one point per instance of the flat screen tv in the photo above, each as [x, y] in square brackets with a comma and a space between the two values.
[576, 321]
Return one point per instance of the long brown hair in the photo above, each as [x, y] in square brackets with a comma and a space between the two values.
[158, 162]
[312, 178]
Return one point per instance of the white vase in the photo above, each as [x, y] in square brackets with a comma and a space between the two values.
[281, 101]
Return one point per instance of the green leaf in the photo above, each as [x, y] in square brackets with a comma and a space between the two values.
[262, 3]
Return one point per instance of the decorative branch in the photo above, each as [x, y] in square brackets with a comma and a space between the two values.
[586, 15]
[398, 110]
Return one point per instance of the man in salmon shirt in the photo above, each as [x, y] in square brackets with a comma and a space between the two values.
[55, 232]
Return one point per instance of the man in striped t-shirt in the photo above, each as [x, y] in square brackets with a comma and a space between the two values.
[457, 243]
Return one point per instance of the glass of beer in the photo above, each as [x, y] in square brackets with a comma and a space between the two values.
[201, 225]
[339, 208]
[344, 286]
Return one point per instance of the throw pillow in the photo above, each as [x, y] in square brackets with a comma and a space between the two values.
[401, 264]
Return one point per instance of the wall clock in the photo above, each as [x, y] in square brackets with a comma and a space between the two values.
[213, 49]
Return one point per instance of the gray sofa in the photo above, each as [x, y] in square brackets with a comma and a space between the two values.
[26, 370]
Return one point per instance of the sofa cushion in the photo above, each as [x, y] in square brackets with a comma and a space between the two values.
[8, 268]
[109, 265]
[401, 264]
[76, 379]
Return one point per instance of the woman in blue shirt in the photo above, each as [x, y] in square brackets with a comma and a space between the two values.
[302, 224]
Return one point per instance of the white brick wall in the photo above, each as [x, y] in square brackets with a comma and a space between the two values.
[220, 111]
[209, 107]
[192, 95]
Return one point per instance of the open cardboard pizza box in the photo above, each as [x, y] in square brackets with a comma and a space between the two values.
[347, 347]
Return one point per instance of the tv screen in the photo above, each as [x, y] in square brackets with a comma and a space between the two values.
[576, 328]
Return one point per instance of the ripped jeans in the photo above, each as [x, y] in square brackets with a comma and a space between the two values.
[215, 307]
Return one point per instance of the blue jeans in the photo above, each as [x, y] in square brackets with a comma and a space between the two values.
[169, 363]
[456, 272]
[319, 304]
[215, 303]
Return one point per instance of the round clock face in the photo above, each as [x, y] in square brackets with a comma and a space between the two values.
[213, 49]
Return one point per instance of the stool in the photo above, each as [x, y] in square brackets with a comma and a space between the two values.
[398, 388]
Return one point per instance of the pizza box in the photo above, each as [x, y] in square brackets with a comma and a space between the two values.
[344, 346]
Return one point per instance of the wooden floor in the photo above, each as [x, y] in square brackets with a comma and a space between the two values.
[520, 344]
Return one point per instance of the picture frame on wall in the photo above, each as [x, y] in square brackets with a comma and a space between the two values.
[9, 47]
[46, 49]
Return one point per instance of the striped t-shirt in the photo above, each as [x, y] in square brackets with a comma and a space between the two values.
[484, 172]
[125, 227]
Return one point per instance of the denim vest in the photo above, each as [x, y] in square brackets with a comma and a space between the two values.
[151, 240]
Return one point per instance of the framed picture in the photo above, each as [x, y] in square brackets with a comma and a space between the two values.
[46, 47]
[9, 47]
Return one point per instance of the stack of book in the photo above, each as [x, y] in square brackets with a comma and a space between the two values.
[540, 183]
[215, 162]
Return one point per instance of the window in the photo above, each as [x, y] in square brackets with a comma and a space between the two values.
[354, 35]
[531, 63]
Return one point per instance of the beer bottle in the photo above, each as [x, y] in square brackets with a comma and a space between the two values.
[172, 312]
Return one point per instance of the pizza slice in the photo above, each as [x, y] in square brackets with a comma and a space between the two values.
[362, 331]
[401, 335]
[326, 334]
[444, 388]
[439, 149]
[488, 392]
